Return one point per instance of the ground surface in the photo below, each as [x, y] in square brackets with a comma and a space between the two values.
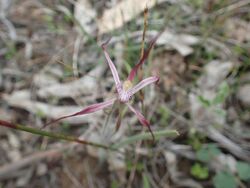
[51, 64]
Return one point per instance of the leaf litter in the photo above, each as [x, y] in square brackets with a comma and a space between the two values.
[189, 91]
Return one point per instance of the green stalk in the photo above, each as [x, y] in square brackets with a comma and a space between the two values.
[51, 135]
[145, 136]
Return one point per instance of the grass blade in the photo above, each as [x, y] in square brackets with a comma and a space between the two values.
[145, 136]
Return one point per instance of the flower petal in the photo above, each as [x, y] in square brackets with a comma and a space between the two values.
[112, 68]
[90, 109]
[142, 84]
[141, 118]
[133, 72]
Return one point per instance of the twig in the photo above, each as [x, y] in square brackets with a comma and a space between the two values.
[75, 56]
[228, 144]
[231, 7]
[145, 26]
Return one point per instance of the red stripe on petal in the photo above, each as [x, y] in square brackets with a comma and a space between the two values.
[90, 109]
[143, 58]
[112, 68]
[142, 84]
[142, 119]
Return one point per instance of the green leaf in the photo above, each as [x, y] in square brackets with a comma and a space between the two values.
[220, 112]
[208, 152]
[224, 180]
[145, 136]
[205, 102]
[40, 113]
[114, 184]
[199, 171]
[11, 51]
[197, 3]
[138, 166]
[222, 93]
[195, 139]
[164, 113]
[243, 170]
[146, 183]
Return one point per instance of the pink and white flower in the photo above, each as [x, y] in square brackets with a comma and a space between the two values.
[125, 90]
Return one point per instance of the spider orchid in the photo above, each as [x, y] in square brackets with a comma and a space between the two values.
[125, 90]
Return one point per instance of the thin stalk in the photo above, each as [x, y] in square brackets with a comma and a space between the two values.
[109, 115]
[51, 135]
[140, 72]
[145, 26]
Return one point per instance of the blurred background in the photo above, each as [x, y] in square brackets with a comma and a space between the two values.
[51, 64]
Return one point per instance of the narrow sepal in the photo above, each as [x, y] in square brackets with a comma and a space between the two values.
[142, 84]
[142, 119]
[133, 72]
[112, 67]
[89, 109]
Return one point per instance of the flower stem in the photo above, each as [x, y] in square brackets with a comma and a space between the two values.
[51, 134]
[140, 72]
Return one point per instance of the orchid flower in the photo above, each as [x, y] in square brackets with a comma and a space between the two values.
[125, 90]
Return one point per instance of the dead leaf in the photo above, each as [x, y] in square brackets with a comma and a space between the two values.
[238, 29]
[85, 14]
[83, 86]
[243, 94]
[121, 13]
[41, 169]
[180, 42]
[214, 73]
[22, 99]
[221, 161]
[44, 80]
